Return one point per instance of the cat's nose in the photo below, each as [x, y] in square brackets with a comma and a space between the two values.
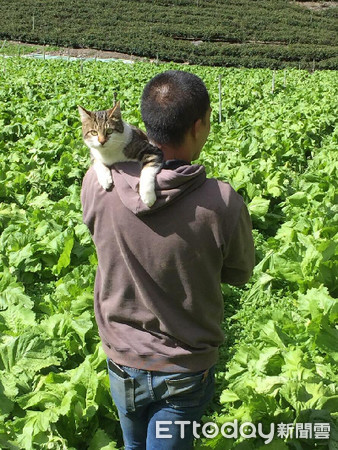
[102, 140]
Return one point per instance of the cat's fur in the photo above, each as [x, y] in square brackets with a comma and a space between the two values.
[112, 140]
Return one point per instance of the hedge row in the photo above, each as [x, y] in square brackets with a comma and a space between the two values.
[261, 33]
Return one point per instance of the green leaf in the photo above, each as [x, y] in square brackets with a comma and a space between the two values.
[64, 259]
[101, 441]
[228, 396]
[298, 199]
[6, 405]
[28, 353]
[270, 385]
[34, 423]
[258, 207]
[63, 325]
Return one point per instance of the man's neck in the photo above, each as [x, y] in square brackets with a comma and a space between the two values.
[170, 152]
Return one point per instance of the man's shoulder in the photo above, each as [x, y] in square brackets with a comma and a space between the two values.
[90, 181]
[224, 192]
[89, 175]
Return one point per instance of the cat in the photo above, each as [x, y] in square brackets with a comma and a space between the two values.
[112, 140]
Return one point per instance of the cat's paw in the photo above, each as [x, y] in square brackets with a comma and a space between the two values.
[147, 185]
[148, 197]
[103, 174]
[105, 181]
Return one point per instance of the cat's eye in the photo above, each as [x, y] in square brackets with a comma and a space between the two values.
[93, 132]
[109, 131]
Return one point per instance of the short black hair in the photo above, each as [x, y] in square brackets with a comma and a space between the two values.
[171, 103]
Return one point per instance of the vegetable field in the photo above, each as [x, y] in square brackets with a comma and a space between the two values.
[278, 149]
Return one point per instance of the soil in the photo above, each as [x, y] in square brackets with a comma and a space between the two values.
[317, 6]
[80, 52]
[93, 53]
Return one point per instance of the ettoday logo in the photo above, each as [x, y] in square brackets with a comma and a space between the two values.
[247, 430]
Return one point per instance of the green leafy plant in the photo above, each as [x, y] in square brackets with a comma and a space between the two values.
[277, 150]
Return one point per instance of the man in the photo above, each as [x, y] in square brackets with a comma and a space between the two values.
[158, 302]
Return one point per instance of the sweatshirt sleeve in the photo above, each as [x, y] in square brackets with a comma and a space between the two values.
[239, 259]
[88, 190]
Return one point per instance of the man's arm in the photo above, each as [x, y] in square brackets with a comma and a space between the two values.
[239, 259]
[88, 198]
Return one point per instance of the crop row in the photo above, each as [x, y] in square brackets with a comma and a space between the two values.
[277, 150]
[269, 34]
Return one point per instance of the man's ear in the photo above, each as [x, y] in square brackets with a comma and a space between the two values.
[196, 127]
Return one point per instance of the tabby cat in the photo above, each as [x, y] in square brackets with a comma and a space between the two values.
[112, 140]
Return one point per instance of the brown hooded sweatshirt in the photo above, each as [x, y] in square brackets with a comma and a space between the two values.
[158, 301]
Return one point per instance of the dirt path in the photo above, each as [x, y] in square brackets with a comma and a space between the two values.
[93, 53]
[78, 52]
[317, 6]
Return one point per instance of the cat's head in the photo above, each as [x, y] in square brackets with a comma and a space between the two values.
[101, 128]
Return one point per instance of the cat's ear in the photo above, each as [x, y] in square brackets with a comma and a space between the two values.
[84, 114]
[116, 111]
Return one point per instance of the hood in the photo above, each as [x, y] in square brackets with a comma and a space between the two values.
[170, 185]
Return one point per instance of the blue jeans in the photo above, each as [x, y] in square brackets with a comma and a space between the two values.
[149, 404]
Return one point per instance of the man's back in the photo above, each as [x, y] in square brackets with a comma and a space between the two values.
[158, 301]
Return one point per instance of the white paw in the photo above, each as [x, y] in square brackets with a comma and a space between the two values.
[103, 173]
[147, 185]
[148, 197]
[105, 181]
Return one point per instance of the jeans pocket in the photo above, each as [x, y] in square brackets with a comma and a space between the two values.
[122, 388]
[186, 390]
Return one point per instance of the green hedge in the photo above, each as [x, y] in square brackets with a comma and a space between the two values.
[268, 33]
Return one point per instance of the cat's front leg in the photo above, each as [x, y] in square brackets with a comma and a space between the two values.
[147, 185]
[103, 174]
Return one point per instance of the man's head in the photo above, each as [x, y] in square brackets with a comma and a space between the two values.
[173, 102]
